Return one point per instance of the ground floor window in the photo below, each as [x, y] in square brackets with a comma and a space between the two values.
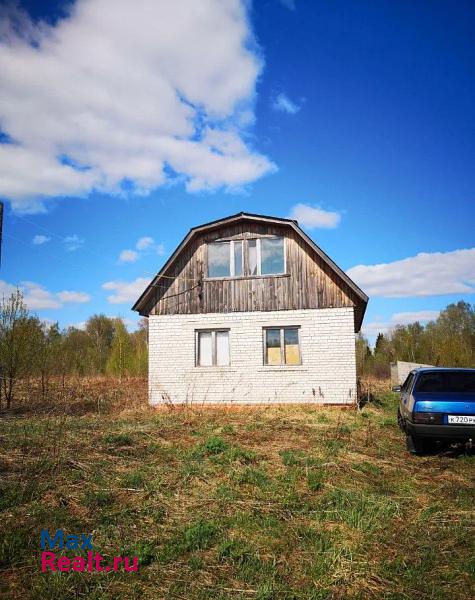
[281, 346]
[212, 348]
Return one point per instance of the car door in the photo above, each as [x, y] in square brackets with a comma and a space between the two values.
[406, 388]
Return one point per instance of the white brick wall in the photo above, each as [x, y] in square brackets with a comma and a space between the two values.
[327, 374]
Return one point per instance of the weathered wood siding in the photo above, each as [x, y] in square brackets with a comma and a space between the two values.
[308, 283]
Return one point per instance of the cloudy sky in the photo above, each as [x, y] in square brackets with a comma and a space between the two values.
[123, 124]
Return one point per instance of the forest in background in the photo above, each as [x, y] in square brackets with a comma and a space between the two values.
[449, 341]
[34, 350]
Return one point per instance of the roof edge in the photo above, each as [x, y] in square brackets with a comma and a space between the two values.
[251, 216]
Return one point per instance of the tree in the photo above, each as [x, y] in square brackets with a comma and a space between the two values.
[121, 358]
[363, 355]
[139, 340]
[382, 356]
[453, 335]
[47, 354]
[77, 353]
[14, 342]
[100, 330]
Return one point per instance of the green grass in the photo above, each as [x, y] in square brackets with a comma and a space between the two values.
[276, 502]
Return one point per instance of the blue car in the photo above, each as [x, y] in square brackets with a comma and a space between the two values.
[437, 405]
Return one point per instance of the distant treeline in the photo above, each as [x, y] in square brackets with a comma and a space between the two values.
[449, 341]
[30, 348]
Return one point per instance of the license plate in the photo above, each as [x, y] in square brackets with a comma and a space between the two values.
[461, 419]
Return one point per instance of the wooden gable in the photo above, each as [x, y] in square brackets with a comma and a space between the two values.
[311, 280]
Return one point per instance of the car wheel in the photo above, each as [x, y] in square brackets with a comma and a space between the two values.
[417, 445]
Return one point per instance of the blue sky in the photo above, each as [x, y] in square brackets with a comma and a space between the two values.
[357, 118]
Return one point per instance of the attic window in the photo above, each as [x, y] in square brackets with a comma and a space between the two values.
[225, 259]
[272, 256]
[265, 256]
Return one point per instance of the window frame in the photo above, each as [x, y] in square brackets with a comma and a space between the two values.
[259, 255]
[231, 259]
[214, 353]
[244, 242]
[406, 386]
[282, 329]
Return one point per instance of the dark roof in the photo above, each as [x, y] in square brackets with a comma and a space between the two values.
[242, 216]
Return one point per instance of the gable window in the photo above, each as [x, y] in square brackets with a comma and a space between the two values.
[265, 256]
[212, 348]
[281, 346]
[225, 259]
[272, 256]
[253, 261]
[237, 257]
[219, 264]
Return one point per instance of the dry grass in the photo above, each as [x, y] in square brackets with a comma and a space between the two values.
[277, 502]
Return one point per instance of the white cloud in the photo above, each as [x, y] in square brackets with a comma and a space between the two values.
[79, 325]
[315, 218]
[73, 297]
[38, 240]
[118, 91]
[290, 4]
[6, 289]
[73, 242]
[125, 292]
[37, 297]
[128, 256]
[144, 242]
[283, 103]
[375, 327]
[426, 274]
[402, 318]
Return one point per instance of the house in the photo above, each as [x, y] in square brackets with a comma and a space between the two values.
[248, 309]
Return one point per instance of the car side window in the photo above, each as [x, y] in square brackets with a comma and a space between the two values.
[406, 386]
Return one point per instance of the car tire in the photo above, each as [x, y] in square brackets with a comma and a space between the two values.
[417, 445]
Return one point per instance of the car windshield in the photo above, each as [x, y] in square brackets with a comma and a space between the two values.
[446, 382]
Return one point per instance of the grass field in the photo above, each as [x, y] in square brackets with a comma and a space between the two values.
[272, 502]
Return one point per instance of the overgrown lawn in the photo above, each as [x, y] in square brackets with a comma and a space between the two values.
[271, 502]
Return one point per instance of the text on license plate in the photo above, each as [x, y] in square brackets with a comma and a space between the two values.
[461, 419]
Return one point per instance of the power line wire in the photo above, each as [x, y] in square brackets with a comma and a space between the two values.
[93, 252]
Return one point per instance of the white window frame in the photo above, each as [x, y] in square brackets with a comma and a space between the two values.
[282, 345]
[214, 358]
[232, 270]
[259, 259]
[232, 266]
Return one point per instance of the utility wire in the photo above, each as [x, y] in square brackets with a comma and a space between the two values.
[74, 267]
[59, 237]
[182, 292]
[93, 252]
